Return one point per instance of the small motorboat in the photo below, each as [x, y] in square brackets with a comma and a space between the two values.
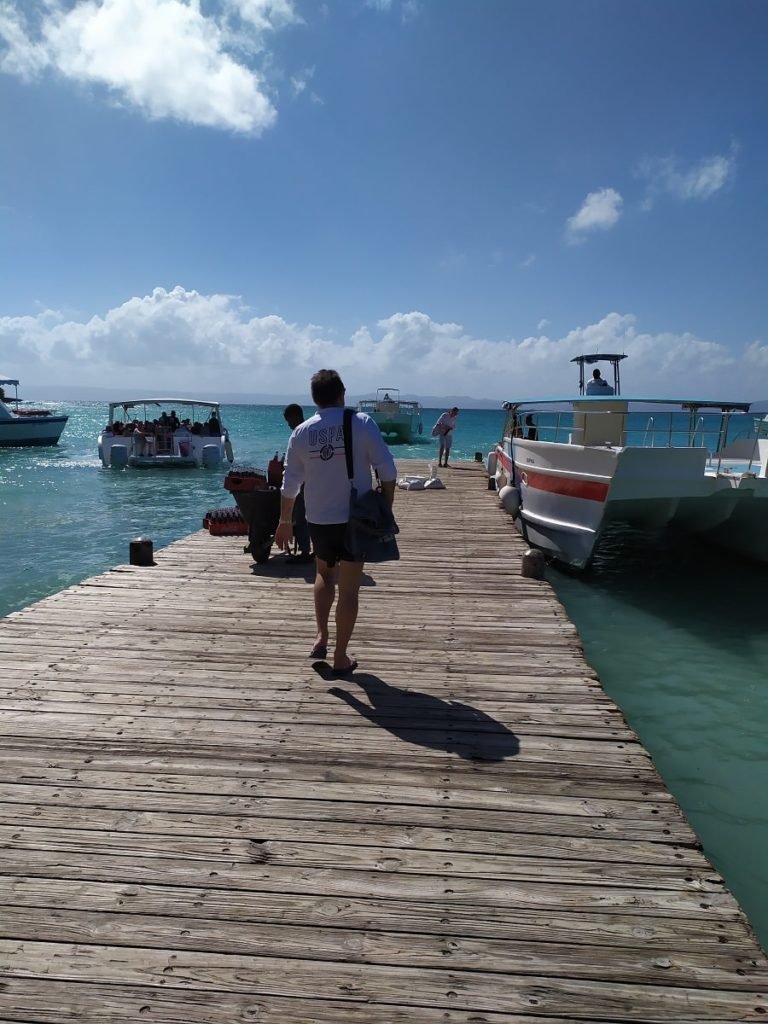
[398, 420]
[164, 433]
[25, 426]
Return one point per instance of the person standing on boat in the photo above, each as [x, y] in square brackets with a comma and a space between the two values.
[293, 415]
[443, 431]
[316, 458]
[598, 386]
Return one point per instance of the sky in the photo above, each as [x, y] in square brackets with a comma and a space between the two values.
[452, 197]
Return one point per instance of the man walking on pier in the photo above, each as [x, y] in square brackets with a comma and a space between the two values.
[316, 458]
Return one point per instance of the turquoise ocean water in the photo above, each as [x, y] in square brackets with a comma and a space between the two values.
[676, 629]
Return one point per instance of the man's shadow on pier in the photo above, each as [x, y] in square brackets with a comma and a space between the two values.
[427, 721]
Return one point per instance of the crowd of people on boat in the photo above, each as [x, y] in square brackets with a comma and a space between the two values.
[166, 423]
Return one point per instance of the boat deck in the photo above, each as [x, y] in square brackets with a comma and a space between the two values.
[200, 827]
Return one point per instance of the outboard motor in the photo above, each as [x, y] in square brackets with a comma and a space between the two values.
[118, 456]
[211, 456]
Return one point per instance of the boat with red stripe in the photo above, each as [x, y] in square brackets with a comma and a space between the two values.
[565, 468]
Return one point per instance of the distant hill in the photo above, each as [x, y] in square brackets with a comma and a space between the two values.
[92, 394]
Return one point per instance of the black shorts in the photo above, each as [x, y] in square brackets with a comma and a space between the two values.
[328, 542]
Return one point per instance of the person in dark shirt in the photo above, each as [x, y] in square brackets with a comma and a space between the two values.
[293, 415]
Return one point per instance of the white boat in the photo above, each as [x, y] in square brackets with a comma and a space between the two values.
[398, 420]
[164, 433]
[565, 468]
[24, 426]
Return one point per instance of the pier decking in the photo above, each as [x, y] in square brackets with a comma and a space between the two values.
[199, 827]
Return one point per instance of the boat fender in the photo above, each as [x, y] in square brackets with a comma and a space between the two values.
[421, 428]
[491, 462]
[228, 449]
[118, 456]
[510, 500]
[211, 456]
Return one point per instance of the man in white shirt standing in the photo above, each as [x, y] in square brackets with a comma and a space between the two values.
[443, 431]
[598, 385]
[316, 458]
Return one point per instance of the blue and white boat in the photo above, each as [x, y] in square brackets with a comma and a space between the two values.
[24, 426]
[566, 468]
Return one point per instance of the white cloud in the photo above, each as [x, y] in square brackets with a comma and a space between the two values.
[409, 9]
[176, 339]
[701, 180]
[529, 260]
[164, 57]
[301, 80]
[599, 212]
[542, 324]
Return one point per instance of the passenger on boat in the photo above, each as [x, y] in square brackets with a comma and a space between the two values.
[138, 438]
[214, 427]
[531, 432]
[293, 415]
[598, 386]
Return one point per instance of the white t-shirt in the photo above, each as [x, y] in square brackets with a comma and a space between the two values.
[445, 423]
[598, 386]
[316, 458]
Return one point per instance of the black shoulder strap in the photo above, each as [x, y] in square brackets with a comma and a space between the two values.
[348, 414]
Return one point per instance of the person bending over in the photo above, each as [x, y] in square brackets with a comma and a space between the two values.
[443, 431]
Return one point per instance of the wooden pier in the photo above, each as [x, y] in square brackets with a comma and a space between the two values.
[199, 826]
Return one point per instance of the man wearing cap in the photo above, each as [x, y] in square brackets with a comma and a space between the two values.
[443, 431]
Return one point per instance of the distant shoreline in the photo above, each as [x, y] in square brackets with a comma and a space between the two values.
[63, 394]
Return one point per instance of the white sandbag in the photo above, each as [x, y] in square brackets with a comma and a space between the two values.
[412, 483]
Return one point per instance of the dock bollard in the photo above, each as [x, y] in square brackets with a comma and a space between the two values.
[533, 564]
[140, 552]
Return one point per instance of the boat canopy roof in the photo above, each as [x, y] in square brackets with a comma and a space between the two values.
[8, 380]
[133, 402]
[685, 403]
[608, 357]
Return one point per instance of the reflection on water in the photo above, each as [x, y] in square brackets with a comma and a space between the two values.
[677, 631]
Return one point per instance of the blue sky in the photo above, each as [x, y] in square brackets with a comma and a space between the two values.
[452, 196]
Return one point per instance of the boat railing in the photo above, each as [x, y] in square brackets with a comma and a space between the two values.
[699, 426]
[668, 430]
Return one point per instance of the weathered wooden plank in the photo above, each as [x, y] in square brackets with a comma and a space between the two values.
[49, 823]
[400, 804]
[384, 879]
[306, 850]
[384, 948]
[467, 990]
[56, 1002]
[397, 715]
[586, 928]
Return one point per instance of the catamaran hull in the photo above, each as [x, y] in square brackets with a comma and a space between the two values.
[398, 430]
[569, 493]
[31, 431]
